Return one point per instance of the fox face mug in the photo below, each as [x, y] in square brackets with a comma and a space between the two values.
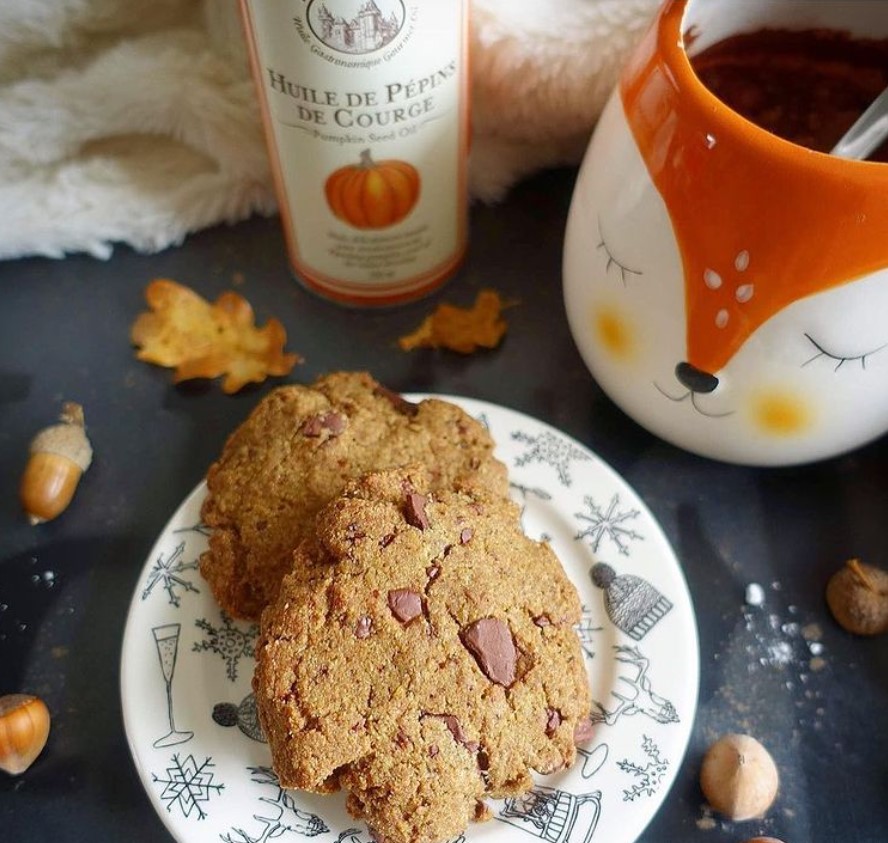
[728, 287]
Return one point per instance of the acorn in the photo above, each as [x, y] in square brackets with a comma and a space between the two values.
[24, 728]
[59, 456]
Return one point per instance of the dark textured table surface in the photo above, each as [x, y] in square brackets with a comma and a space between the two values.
[783, 672]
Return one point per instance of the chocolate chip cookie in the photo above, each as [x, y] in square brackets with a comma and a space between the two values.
[298, 449]
[421, 656]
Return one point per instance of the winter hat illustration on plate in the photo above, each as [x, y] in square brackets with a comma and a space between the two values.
[632, 603]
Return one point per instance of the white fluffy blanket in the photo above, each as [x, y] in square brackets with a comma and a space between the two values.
[137, 123]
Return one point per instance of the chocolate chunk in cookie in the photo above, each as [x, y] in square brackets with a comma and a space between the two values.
[490, 641]
[405, 604]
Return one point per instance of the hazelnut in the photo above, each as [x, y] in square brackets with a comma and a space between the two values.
[739, 778]
[857, 596]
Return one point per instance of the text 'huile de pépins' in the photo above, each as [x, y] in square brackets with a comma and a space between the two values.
[394, 102]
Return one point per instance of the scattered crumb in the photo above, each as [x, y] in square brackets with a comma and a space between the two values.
[47, 579]
[755, 595]
[778, 653]
[812, 632]
[706, 822]
[238, 279]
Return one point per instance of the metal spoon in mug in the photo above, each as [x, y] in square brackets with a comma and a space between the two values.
[868, 131]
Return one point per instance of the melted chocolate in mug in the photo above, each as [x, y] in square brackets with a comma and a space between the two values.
[806, 86]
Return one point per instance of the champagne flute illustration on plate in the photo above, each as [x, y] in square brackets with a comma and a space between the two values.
[166, 638]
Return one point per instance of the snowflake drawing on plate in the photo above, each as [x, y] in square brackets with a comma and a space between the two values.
[228, 642]
[277, 824]
[168, 573]
[187, 786]
[608, 523]
[549, 449]
[650, 776]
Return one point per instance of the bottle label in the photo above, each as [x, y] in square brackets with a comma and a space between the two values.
[366, 111]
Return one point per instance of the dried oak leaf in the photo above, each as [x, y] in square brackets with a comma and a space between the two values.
[203, 340]
[461, 329]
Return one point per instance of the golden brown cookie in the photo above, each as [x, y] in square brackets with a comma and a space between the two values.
[298, 449]
[422, 656]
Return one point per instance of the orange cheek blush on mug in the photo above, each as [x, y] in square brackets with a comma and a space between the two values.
[725, 278]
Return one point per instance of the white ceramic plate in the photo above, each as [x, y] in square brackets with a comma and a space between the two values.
[186, 670]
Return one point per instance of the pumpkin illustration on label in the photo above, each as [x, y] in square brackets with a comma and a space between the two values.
[373, 194]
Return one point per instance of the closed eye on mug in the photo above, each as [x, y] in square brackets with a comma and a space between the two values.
[839, 358]
[612, 261]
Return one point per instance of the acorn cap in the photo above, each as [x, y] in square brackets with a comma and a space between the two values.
[66, 439]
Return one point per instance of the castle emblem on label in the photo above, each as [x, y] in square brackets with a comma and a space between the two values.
[355, 26]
